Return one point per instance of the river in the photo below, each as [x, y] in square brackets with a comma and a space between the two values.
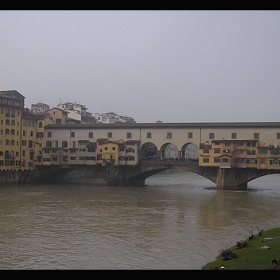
[177, 221]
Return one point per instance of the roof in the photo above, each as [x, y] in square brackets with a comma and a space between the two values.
[59, 109]
[167, 125]
[12, 93]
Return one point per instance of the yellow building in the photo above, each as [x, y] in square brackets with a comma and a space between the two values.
[11, 108]
[229, 153]
[32, 138]
[110, 152]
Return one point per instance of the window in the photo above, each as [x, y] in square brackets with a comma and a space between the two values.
[54, 158]
[206, 160]
[190, 135]
[64, 144]
[169, 135]
[128, 135]
[58, 121]
[91, 149]
[40, 124]
[110, 134]
[256, 136]
[23, 142]
[90, 135]
[23, 132]
[49, 134]
[206, 151]
[31, 133]
[48, 144]
[149, 135]
[227, 144]
[251, 152]
[234, 135]
[216, 151]
[30, 144]
[72, 134]
[211, 135]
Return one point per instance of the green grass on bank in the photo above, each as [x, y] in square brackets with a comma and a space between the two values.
[251, 257]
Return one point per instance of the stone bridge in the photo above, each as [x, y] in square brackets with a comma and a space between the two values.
[224, 178]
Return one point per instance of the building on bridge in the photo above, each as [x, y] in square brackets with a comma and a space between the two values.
[241, 153]
[85, 152]
[257, 144]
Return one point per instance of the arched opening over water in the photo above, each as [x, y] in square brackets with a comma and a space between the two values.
[149, 151]
[190, 151]
[169, 151]
[270, 181]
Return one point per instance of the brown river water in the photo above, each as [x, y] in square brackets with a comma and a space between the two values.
[178, 220]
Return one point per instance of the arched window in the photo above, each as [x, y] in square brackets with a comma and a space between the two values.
[13, 122]
[7, 112]
[40, 124]
[7, 121]
[7, 142]
[7, 131]
[12, 131]
[13, 113]
[12, 142]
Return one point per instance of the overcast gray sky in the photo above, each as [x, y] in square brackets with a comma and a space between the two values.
[173, 66]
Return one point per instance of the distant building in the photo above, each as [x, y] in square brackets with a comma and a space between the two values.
[111, 117]
[77, 113]
[39, 108]
[73, 107]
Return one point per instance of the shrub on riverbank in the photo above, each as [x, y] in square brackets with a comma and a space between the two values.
[257, 255]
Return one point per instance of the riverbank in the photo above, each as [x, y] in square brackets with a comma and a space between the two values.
[257, 253]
